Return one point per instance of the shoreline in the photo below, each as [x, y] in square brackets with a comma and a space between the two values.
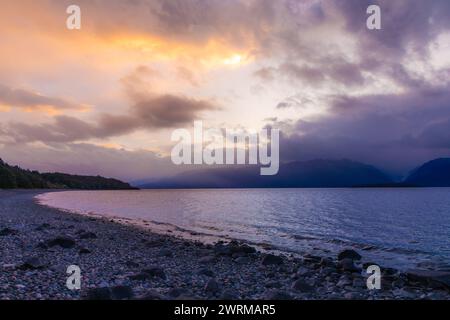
[120, 261]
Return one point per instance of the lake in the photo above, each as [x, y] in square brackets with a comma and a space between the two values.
[393, 227]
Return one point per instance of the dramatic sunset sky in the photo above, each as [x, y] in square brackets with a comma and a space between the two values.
[105, 99]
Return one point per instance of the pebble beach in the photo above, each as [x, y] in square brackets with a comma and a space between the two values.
[38, 243]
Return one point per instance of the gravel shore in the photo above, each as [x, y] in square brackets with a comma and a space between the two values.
[37, 244]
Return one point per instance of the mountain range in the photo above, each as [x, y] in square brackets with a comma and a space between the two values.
[308, 174]
[299, 174]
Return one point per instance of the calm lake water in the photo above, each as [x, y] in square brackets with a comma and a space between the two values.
[392, 227]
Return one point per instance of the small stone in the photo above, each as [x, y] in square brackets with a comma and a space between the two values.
[229, 295]
[207, 260]
[139, 276]
[176, 292]
[84, 251]
[152, 295]
[42, 245]
[206, 272]
[166, 253]
[155, 272]
[276, 295]
[302, 286]
[34, 263]
[212, 286]
[88, 235]
[8, 232]
[404, 294]
[273, 284]
[326, 262]
[42, 227]
[243, 260]
[352, 296]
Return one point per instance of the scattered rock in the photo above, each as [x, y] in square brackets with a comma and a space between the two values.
[243, 260]
[229, 295]
[139, 276]
[349, 254]
[43, 227]
[155, 272]
[348, 265]
[273, 284]
[187, 297]
[212, 286]
[236, 247]
[436, 278]
[84, 251]
[233, 248]
[276, 295]
[166, 253]
[326, 262]
[62, 241]
[302, 286]
[311, 259]
[352, 296]
[33, 263]
[206, 272]
[176, 292]
[403, 294]
[131, 264]
[270, 259]
[122, 292]
[103, 293]
[207, 260]
[42, 245]
[344, 282]
[88, 235]
[8, 232]
[152, 295]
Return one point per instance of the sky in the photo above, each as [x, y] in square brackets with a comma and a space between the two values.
[105, 99]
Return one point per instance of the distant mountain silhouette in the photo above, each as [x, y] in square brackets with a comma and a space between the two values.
[307, 174]
[435, 173]
[13, 177]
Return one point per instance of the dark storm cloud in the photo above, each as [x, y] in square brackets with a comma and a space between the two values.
[330, 71]
[158, 112]
[394, 131]
[21, 98]
[408, 27]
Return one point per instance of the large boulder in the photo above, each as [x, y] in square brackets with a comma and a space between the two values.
[155, 272]
[270, 259]
[62, 241]
[103, 293]
[348, 265]
[122, 292]
[233, 248]
[349, 254]
[33, 263]
[87, 235]
[433, 278]
[8, 232]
